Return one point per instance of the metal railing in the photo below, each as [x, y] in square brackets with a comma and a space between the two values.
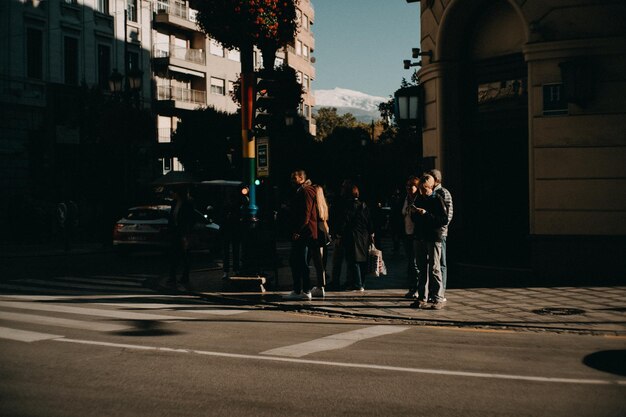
[197, 56]
[186, 95]
[175, 8]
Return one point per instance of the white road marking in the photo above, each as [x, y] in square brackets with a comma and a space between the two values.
[443, 372]
[126, 315]
[25, 336]
[188, 308]
[60, 322]
[335, 341]
[76, 285]
[133, 282]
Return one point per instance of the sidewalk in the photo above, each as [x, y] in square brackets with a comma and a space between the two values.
[581, 309]
[587, 310]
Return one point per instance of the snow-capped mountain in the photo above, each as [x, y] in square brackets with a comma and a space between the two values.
[363, 106]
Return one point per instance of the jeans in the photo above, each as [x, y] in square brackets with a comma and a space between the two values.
[444, 264]
[356, 273]
[234, 243]
[430, 282]
[411, 267]
[299, 264]
[337, 263]
[179, 253]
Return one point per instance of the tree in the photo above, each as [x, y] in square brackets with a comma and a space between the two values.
[203, 151]
[327, 120]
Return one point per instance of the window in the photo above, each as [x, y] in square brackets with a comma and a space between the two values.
[216, 48]
[70, 60]
[231, 87]
[102, 6]
[305, 52]
[217, 86]
[299, 77]
[298, 48]
[34, 53]
[133, 61]
[104, 66]
[131, 10]
[306, 83]
[305, 22]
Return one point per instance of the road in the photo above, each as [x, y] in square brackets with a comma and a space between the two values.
[105, 341]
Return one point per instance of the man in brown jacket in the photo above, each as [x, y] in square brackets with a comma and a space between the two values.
[303, 228]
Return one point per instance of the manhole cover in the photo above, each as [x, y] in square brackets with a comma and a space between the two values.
[556, 311]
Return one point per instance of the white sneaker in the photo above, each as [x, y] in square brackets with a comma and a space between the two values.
[298, 296]
[318, 292]
[293, 296]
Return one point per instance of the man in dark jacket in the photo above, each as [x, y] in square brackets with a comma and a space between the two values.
[429, 216]
[180, 225]
[303, 227]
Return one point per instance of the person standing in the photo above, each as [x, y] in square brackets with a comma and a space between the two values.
[409, 237]
[181, 223]
[303, 227]
[447, 200]
[323, 239]
[429, 217]
[356, 234]
[338, 208]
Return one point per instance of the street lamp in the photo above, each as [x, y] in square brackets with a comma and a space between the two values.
[115, 81]
[408, 105]
[134, 79]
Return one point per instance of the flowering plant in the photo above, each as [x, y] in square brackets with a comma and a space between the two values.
[262, 22]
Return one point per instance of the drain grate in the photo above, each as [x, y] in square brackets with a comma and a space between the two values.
[557, 311]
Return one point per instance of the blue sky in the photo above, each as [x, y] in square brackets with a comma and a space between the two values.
[360, 44]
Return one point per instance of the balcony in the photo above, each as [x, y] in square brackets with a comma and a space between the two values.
[181, 98]
[174, 13]
[194, 59]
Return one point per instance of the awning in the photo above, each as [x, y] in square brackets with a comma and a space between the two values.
[185, 71]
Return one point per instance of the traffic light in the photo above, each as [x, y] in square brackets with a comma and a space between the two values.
[263, 103]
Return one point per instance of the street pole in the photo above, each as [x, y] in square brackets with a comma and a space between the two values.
[247, 134]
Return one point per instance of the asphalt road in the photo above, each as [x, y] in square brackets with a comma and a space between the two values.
[116, 346]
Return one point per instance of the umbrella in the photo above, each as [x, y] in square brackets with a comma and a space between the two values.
[174, 178]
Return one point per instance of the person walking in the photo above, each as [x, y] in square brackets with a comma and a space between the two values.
[338, 208]
[180, 226]
[356, 234]
[323, 240]
[409, 237]
[230, 231]
[447, 200]
[429, 216]
[303, 225]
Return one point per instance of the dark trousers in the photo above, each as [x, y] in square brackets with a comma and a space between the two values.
[356, 273]
[299, 264]
[411, 262]
[179, 254]
[233, 242]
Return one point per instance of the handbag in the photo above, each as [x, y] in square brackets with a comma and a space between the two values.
[376, 264]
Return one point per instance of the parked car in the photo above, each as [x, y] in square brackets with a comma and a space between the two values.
[147, 227]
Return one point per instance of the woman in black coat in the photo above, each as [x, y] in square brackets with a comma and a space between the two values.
[356, 234]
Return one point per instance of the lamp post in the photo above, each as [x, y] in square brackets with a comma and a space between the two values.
[408, 106]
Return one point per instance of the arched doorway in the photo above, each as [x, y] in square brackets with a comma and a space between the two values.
[486, 153]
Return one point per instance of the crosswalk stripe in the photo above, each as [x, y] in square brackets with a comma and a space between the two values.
[25, 336]
[60, 322]
[336, 341]
[74, 285]
[103, 281]
[28, 288]
[126, 315]
[184, 307]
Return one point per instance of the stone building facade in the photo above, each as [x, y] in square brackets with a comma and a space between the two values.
[525, 114]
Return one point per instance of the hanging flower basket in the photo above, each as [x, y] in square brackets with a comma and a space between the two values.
[264, 23]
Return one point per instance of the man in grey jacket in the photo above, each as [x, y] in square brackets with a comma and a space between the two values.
[447, 200]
